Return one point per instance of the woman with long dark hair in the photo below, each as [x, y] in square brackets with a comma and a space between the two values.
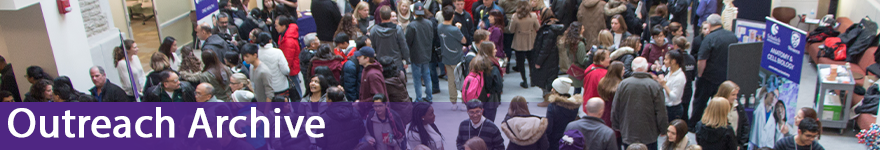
[496, 30]
[573, 44]
[608, 87]
[41, 91]
[618, 30]
[137, 70]
[169, 47]
[422, 130]
[676, 135]
[214, 73]
[673, 83]
[349, 26]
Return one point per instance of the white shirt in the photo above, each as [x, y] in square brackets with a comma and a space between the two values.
[414, 140]
[675, 83]
[175, 65]
[137, 71]
[273, 59]
[478, 124]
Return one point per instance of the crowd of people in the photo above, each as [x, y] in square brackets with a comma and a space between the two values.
[631, 75]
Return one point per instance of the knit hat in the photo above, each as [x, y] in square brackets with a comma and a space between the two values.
[562, 85]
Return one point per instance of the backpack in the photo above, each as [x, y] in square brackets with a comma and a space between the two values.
[462, 70]
[573, 140]
[834, 49]
[473, 86]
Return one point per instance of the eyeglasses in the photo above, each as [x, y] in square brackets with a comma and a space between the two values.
[173, 81]
[475, 112]
[224, 22]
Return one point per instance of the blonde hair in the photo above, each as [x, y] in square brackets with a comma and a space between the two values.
[361, 5]
[159, 61]
[240, 77]
[605, 39]
[726, 89]
[715, 115]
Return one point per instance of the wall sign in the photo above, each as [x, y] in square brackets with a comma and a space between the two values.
[205, 8]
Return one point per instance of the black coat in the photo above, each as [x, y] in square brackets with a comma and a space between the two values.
[218, 45]
[679, 11]
[467, 25]
[153, 78]
[633, 23]
[743, 128]
[153, 94]
[111, 93]
[716, 138]
[560, 112]
[344, 127]
[327, 17]
[545, 48]
[565, 11]
[7, 83]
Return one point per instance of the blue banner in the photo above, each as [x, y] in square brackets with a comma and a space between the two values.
[783, 50]
[205, 8]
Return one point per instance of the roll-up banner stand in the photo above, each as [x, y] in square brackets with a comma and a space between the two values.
[782, 57]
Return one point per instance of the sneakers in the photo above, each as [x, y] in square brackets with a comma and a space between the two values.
[524, 85]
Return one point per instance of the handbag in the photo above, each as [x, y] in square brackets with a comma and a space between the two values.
[576, 72]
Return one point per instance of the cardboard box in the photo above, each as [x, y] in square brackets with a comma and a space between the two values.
[832, 112]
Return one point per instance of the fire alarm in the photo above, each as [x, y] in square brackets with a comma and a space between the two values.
[64, 6]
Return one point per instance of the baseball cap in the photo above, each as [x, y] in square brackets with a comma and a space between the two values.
[365, 51]
[419, 8]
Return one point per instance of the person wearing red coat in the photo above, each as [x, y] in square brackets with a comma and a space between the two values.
[288, 42]
[595, 73]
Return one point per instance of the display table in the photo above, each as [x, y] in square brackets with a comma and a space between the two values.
[843, 81]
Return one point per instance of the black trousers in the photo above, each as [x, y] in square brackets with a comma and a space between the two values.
[521, 57]
[705, 91]
[686, 99]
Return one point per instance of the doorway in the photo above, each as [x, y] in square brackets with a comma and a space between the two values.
[144, 28]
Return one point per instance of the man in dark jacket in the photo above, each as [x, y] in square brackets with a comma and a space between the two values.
[481, 12]
[637, 96]
[342, 121]
[465, 19]
[711, 64]
[372, 78]
[351, 78]
[596, 134]
[104, 91]
[420, 33]
[7, 80]
[327, 17]
[478, 126]
[678, 10]
[212, 41]
[171, 90]
[389, 38]
[566, 11]
[227, 30]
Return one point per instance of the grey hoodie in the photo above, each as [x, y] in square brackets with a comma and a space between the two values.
[388, 40]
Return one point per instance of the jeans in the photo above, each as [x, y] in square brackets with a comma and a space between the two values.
[422, 72]
[434, 75]
[674, 112]
[295, 90]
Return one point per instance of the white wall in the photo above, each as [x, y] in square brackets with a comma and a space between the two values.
[69, 43]
[856, 9]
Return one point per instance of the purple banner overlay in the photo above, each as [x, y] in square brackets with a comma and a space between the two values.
[192, 126]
